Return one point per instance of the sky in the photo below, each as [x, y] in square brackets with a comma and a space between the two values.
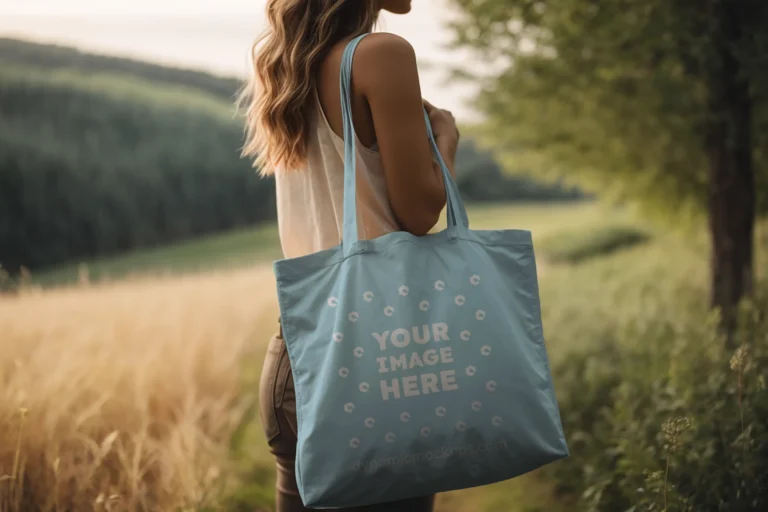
[214, 35]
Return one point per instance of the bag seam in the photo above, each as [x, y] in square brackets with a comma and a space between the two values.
[281, 279]
[541, 342]
[288, 339]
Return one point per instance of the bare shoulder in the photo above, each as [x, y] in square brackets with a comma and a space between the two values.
[383, 59]
[384, 44]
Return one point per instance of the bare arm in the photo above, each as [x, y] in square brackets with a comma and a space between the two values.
[387, 76]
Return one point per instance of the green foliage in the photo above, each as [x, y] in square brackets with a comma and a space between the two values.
[91, 166]
[612, 95]
[632, 349]
[575, 246]
[661, 416]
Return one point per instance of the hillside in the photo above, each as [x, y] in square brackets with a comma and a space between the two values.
[103, 155]
[54, 57]
[100, 156]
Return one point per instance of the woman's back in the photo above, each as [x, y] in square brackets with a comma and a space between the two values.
[297, 129]
[310, 200]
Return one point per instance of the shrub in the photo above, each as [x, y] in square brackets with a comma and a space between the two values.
[668, 417]
[578, 245]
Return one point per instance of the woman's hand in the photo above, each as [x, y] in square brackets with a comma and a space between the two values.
[446, 133]
[443, 122]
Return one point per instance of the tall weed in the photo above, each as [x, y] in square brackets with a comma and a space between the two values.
[665, 418]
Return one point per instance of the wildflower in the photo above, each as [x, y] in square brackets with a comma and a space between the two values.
[740, 359]
[653, 476]
[672, 429]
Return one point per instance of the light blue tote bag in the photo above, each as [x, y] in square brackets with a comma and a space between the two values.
[419, 362]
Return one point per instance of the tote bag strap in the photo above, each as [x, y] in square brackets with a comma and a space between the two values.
[456, 213]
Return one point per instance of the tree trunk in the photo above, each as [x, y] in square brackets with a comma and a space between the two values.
[732, 195]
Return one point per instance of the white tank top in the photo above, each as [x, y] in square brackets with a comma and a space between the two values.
[310, 200]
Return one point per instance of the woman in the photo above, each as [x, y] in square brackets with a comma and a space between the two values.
[295, 132]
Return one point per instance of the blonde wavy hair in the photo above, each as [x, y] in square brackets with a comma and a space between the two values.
[285, 61]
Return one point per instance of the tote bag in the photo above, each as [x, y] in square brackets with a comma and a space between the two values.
[419, 362]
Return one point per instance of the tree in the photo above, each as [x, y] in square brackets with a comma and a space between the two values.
[655, 101]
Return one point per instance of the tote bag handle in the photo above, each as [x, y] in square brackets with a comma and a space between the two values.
[457, 214]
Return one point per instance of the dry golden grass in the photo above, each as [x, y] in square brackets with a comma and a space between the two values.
[132, 391]
[124, 396]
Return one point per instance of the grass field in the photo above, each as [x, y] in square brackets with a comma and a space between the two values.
[261, 245]
[138, 394]
[235, 249]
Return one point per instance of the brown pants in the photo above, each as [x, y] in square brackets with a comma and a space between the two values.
[278, 417]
